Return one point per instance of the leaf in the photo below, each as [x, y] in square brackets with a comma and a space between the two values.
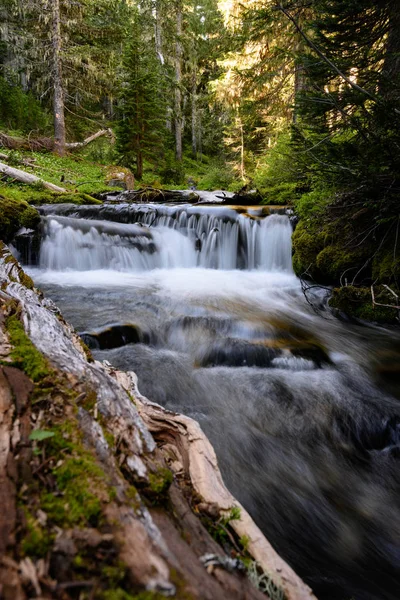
[40, 434]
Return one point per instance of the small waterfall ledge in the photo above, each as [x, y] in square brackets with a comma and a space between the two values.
[146, 237]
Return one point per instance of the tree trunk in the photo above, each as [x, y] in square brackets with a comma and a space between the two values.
[158, 31]
[58, 97]
[242, 166]
[178, 82]
[139, 159]
[194, 113]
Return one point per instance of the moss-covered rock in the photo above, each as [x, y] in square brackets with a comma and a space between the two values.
[357, 302]
[15, 214]
[334, 261]
[308, 242]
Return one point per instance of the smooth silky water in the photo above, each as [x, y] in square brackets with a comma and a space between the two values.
[302, 408]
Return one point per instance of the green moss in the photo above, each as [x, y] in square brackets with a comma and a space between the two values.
[24, 354]
[333, 261]
[114, 574]
[308, 242]
[15, 214]
[80, 482]
[38, 540]
[386, 266]
[357, 302]
[160, 481]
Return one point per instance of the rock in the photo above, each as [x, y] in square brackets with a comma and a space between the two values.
[120, 177]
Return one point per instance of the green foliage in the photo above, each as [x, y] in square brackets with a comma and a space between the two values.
[218, 177]
[281, 176]
[313, 203]
[38, 435]
[141, 129]
[173, 172]
[24, 354]
[357, 302]
[20, 110]
[38, 540]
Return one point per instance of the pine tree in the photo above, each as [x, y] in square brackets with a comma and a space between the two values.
[141, 130]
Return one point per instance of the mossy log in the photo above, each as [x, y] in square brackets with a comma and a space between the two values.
[92, 507]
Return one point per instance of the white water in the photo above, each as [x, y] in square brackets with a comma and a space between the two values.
[309, 439]
[169, 239]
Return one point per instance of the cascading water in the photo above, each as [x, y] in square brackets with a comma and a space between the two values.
[203, 304]
[224, 240]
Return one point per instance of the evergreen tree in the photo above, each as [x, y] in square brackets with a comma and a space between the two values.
[141, 130]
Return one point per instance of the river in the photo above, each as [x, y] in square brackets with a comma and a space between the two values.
[301, 407]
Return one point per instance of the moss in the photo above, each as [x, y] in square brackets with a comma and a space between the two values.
[32, 195]
[160, 481]
[357, 302]
[24, 354]
[385, 266]
[80, 482]
[308, 242]
[15, 214]
[334, 261]
[38, 540]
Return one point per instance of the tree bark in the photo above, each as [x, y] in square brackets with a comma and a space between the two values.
[58, 96]
[178, 82]
[242, 165]
[28, 178]
[194, 112]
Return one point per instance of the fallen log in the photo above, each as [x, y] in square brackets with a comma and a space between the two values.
[59, 410]
[28, 178]
[46, 143]
[88, 140]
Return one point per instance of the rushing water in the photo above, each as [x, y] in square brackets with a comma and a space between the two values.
[301, 408]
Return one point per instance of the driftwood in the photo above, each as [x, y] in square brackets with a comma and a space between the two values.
[28, 178]
[163, 546]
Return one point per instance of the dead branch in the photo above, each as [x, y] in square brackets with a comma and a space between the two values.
[374, 303]
[91, 138]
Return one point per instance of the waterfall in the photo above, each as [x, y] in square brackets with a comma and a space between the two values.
[202, 304]
[165, 237]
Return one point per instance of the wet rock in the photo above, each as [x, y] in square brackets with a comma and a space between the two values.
[115, 337]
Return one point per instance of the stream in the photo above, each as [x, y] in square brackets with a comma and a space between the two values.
[302, 408]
